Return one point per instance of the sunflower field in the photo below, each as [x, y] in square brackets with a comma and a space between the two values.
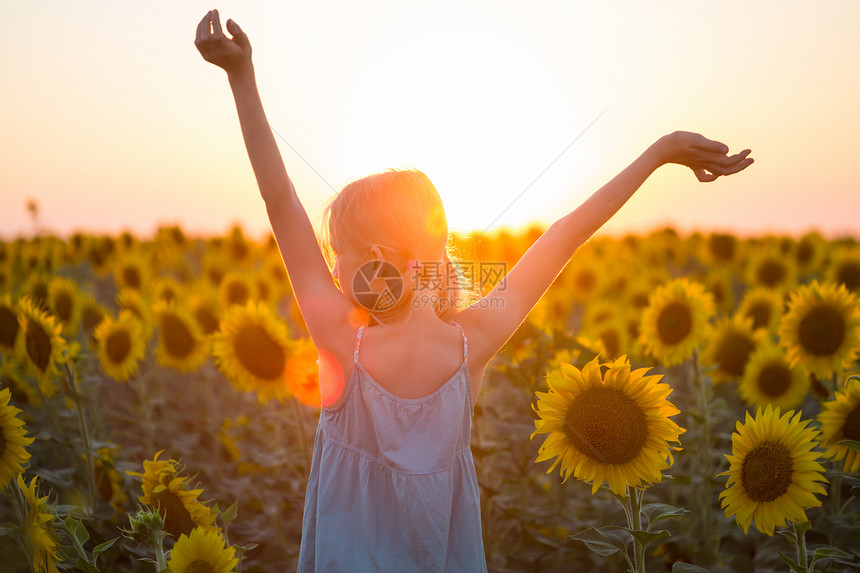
[159, 399]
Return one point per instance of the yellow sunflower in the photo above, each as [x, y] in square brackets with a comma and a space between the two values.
[9, 327]
[764, 306]
[722, 248]
[773, 473]
[252, 349]
[614, 335]
[166, 489]
[120, 345]
[770, 379]
[302, 373]
[167, 289]
[768, 267]
[108, 480]
[808, 253]
[676, 320]
[40, 346]
[92, 315]
[204, 308]
[181, 344]
[840, 420]
[613, 427]
[718, 282]
[236, 289]
[36, 288]
[13, 440]
[64, 302]
[845, 268]
[821, 328]
[131, 272]
[581, 277]
[202, 551]
[129, 299]
[41, 539]
[729, 347]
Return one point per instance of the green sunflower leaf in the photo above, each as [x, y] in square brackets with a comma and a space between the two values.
[646, 538]
[82, 565]
[850, 444]
[102, 547]
[792, 564]
[76, 529]
[605, 541]
[657, 511]
[830, 552]
[681, 567]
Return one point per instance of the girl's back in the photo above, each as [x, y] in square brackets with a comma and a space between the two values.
[400, 468]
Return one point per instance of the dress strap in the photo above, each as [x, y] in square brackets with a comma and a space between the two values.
[465, 340]
[357, 343]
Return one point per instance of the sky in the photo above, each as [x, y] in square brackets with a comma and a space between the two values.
[517, 111]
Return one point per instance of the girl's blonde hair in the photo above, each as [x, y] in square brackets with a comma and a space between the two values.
[399, 211]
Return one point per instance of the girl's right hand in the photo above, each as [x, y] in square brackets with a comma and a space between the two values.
[707, 158]
[231, 54]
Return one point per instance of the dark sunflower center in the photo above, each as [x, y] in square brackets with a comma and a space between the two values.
[259, 353]
[722, 247]
[63, 306]
[848, 274]
[103, 483]
[719, 292]
[774, 379]
[612, 340]
[39, 294]
[771, 272]
[237, 293]
[674, 323]
[38, 344]
[117, 346]
[177, 519]
[760, 313]
[805, 250]
[168, 294]
[263, 290]
[822, 331]
[131, 277]
[178, 340]
[851, 428]
[207, 319]
[766, 471]
[606, 425]
[92, 317]
[732, 353]
[199, 566]
[585, 280]
[8, 327]
[640, 300]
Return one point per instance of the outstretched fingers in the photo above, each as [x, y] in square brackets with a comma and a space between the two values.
[203, 28]
[217, 32]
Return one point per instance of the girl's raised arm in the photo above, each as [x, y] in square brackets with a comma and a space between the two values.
[523, 286]
[324, 307]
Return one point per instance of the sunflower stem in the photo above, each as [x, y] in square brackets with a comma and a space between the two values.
[634, 521]
[704, 393]
[800, 532]
[146, 410]
[83, 427]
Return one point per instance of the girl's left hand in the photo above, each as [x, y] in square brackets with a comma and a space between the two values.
[231, 54]
[708, 159]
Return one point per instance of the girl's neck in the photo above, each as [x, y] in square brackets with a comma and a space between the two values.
[409, 318]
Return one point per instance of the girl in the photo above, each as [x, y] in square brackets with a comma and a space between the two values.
[392, 485]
